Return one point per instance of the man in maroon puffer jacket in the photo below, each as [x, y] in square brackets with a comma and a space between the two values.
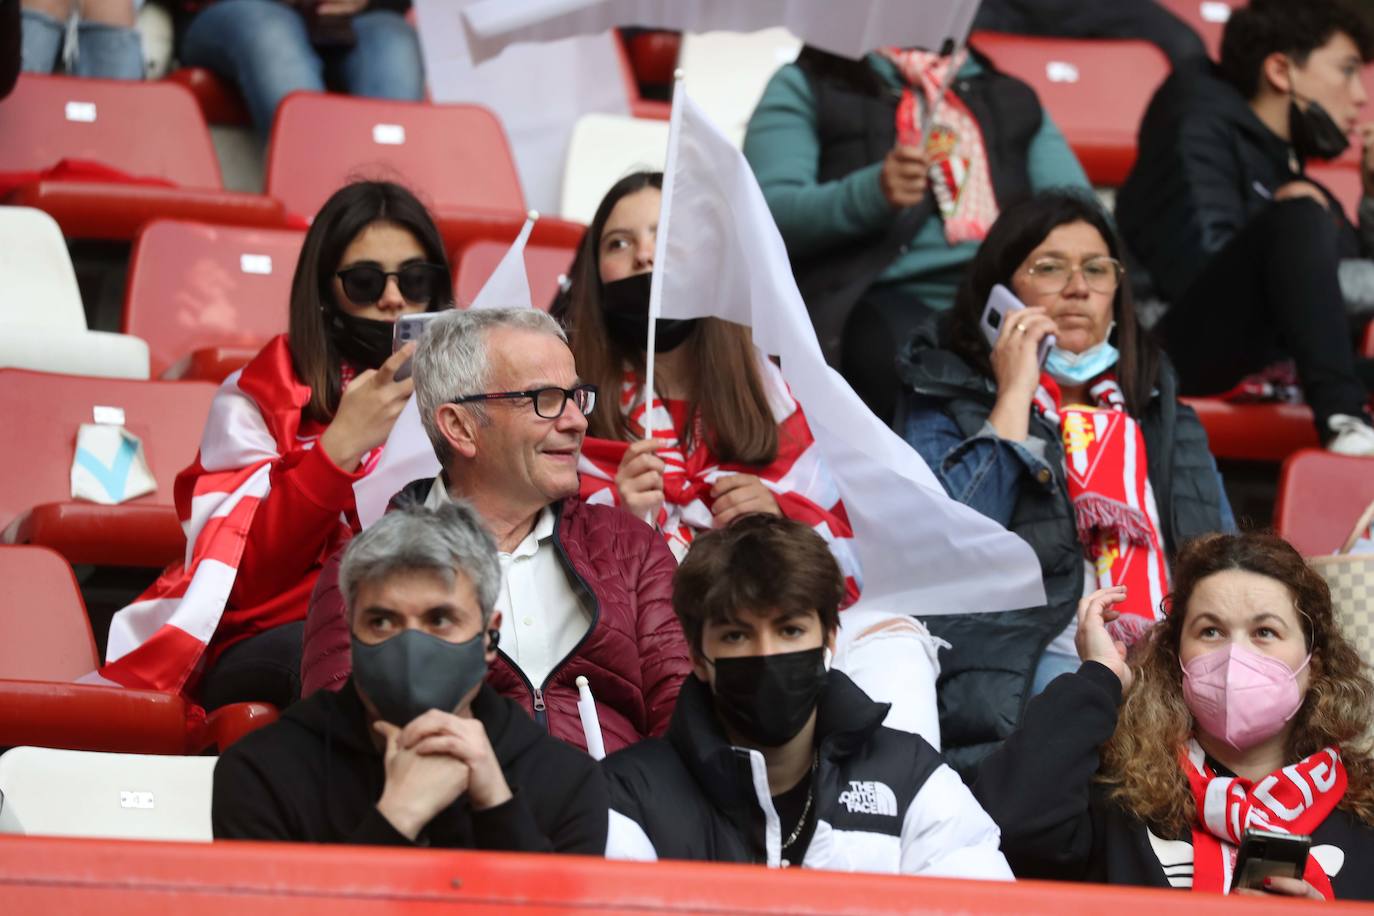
[586, 589]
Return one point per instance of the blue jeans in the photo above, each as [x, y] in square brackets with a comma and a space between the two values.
[1050, 666]
[107, 51]
[264, 48]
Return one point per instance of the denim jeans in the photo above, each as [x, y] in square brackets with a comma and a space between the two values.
[263, 47]
[108, 51]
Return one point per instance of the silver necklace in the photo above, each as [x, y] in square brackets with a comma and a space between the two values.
[806, 808]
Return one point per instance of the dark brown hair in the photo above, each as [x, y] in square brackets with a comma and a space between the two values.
[349, 211]
[1017, 232]
[1292, 27]
[1141, 760]
[726, 387]
[759, 563]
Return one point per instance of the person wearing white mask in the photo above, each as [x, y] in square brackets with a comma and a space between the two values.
[1246, 708]
[1090, 458]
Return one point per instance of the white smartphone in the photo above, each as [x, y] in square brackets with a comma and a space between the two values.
[410, 328]
[1001, 303]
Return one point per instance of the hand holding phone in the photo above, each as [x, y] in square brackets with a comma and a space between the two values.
[409, 328]
[1269, 854]
[1002, 303]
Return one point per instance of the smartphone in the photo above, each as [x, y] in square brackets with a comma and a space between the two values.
[1266, 854]
[1001, 303]
[409, 328]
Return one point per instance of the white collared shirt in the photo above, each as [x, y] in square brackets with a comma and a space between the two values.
[542, 619]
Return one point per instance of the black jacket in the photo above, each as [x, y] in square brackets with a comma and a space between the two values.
[1206, 166]
[315, 776]
[1059, 823]
[985, 678]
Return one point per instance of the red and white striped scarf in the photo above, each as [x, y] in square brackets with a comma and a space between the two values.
[959, 173]
[1295, 799]
[1113, 501]
[159, 641]
[798, 478]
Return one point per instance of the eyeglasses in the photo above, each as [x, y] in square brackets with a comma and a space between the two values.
[1052, 275]
[548, 402]
[364, 284]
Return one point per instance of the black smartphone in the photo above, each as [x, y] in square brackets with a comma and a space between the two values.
[1266, 854]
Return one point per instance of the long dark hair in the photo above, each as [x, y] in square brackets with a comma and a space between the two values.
[726, 387]
[1017, 232]
[348, 212]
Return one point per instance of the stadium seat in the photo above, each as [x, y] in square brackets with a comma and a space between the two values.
[127, 796]
[1367, 341]
[219, 101]
[463, 229]
[206, 298]
[151, 132]
[1096, 91]
[1343, 180]
[455, 156]
[603, 149]
[1320, 498]
[47, 635]
[544, 264]
[726, 72]
[654, 55]
[1255, 432]
[42, 322]
[1207, 17]
[42, 414]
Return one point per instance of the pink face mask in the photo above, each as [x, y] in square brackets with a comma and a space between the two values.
[1241, 696]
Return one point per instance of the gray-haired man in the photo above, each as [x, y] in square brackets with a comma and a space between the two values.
[415, 748]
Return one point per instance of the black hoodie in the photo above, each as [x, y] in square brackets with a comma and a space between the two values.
[315, 776]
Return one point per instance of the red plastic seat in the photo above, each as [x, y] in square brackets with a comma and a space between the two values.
[653, 55]
[206, 298]
[146, 130]
[544, 264]
[219, 101]
[1207, 17]
[455, 156]
[1096, 91]
[46, 633]
[1343, 180]
[1255, 432]
[463, 228]
[42, 412]
[1320, 499]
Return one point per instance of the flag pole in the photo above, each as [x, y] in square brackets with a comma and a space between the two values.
[660, 251]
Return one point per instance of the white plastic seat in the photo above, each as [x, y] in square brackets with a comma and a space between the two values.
[42, 323]
[605, 148]
[51, 792]
[726, 72]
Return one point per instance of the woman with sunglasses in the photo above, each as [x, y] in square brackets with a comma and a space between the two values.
[1090, 458]
[270, 495]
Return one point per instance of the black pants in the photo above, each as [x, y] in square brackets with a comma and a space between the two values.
[265, 668]
[877, 330]
[1271, 292]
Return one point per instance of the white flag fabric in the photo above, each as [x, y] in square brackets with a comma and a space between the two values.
[720, 254]
[850, 28]
[408, 454]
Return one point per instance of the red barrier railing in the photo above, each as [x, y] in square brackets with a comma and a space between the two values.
[105, 877]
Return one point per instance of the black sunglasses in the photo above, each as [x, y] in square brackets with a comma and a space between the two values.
[365, 283]
[548, 402]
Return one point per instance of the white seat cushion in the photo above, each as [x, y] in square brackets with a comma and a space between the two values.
[75, 352]
[603, 149]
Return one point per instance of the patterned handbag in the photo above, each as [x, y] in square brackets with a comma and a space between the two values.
[1351, 578]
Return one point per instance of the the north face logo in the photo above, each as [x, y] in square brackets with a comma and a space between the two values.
[869, 798]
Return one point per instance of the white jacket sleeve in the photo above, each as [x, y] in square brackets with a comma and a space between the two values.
[626, 840]
[947, 834]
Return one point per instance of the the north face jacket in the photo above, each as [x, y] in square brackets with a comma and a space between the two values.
[883, 800]
[633, 654]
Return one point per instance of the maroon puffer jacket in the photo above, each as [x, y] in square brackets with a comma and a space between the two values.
[634, 655]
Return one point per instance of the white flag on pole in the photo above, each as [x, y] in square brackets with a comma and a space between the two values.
[408, 454]
[719, 254]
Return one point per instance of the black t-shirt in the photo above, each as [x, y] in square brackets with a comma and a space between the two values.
[791, 805]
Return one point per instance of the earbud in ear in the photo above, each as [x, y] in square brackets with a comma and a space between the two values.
[495, 636]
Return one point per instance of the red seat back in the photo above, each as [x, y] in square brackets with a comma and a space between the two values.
[1320, 498]
[193, 285]
[1343, 180]
[152, 130]
[1096, 91]
[452, 156]
[44, 631]
[1207, 17]
[544, 264]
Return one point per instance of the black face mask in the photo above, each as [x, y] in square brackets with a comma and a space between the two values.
[626, 304]
[767, 699]
[1314, 134]
[414, 672]
[363, 342]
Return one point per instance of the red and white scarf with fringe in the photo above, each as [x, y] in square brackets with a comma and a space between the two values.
[159, 641]
[1295, 799]
[798, 478]
[1113, 501]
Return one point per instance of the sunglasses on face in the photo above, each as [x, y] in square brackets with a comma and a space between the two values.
[364, 284]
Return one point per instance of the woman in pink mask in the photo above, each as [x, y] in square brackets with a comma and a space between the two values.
[1245, 708]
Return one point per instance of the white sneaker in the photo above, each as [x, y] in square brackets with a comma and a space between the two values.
[1353, 436]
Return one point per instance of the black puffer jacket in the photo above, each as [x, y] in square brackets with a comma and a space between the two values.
[985, 679]
[1206, 167]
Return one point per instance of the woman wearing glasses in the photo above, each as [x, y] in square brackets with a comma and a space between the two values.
[270, 495]
[1090, 458]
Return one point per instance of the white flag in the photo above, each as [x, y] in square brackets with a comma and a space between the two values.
[720, 255]
[408, 454]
